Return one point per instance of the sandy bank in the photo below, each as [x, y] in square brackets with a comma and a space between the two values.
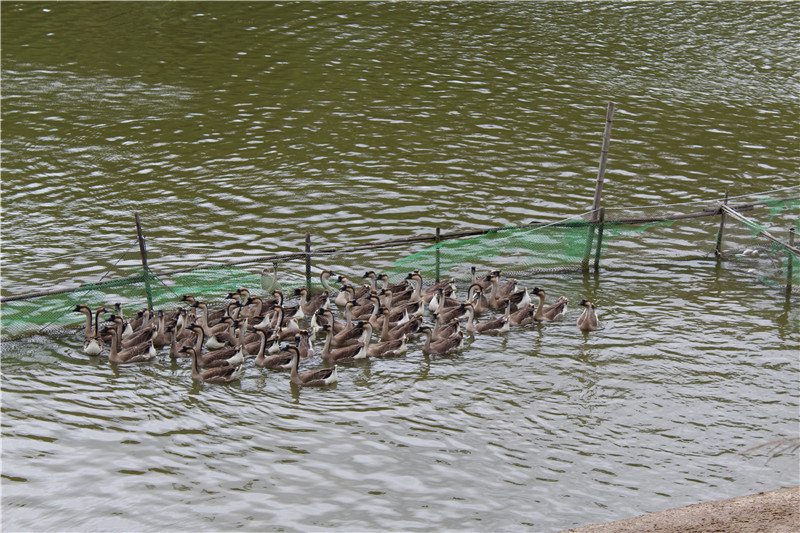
[777, 511]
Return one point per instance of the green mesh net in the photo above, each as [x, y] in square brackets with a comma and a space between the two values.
[758, 243]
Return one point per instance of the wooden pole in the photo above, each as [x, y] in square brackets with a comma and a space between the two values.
[600, 228]
[308, 261]
[598, 188]
[718, 248]
[438, 240]
[790, 265]
[601, 171]
[145, 266]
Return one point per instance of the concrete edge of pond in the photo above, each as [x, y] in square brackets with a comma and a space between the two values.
[776, 511]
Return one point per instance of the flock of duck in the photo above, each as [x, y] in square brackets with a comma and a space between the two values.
[375, 322]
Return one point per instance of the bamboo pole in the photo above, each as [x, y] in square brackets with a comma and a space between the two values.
[598, 188]
[790, 266]
[438, 240]
[791, 248]
[145, 266]
[718, 248]
[601, 171]
[601, 226]
[308, 261]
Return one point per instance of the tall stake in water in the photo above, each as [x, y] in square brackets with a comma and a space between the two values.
[598, 189]
[143, 252]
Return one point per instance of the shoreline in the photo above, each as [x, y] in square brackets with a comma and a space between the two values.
[776, 511]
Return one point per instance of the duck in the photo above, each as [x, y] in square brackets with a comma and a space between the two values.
[391, 348]
[313, 378]
[141, 335]
[325, 316]
[382, 314]
[492, 326]
[141, 320]
[519, 299]
[476, 297]
[162, 338]
[349, 336]
[93, 343]
[253, 308]
[556, 311]
[448, 314]
[357, 295]
[304, 344]
[395, 331]
[444, 346]
[442, 330]
[281, 328]
[588, 319]
[221, 335]
[229, 355]
[190, 338]
[363, 310]
[139, 353]
[348, 293]
[324, 279]
[128, 326]
[250, 346]
[372, 279]
[241, 294]
[217, 335]
[277, 361]
[290, 312]
[344, 295]
[344, 353]
[439, 299]
[414, 308]
[216, 316]
[427, 294]
[310, 305]
[522, 316]
[483, 282]
[269, 282]
[397, 288]
[506, 291]
[220, 374]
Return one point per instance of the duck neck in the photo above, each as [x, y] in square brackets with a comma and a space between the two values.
[200, 339]
[294, 363]
[262, 348]
[173, 344]
[323, 279]
[539, 308]
[88, 330]
[97, 322]
[416, 296]
[348, 316]
[385, 326]
[112, 355]
[195, 365]
[204, 319]
[326, 349]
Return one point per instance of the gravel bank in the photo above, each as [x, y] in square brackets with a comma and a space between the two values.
[777, 511]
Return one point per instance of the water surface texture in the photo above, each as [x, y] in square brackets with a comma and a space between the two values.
[234, 129]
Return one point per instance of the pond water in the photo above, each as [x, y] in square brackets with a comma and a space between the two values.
[235, 129]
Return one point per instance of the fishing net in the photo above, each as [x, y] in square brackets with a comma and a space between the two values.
[755, 238]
